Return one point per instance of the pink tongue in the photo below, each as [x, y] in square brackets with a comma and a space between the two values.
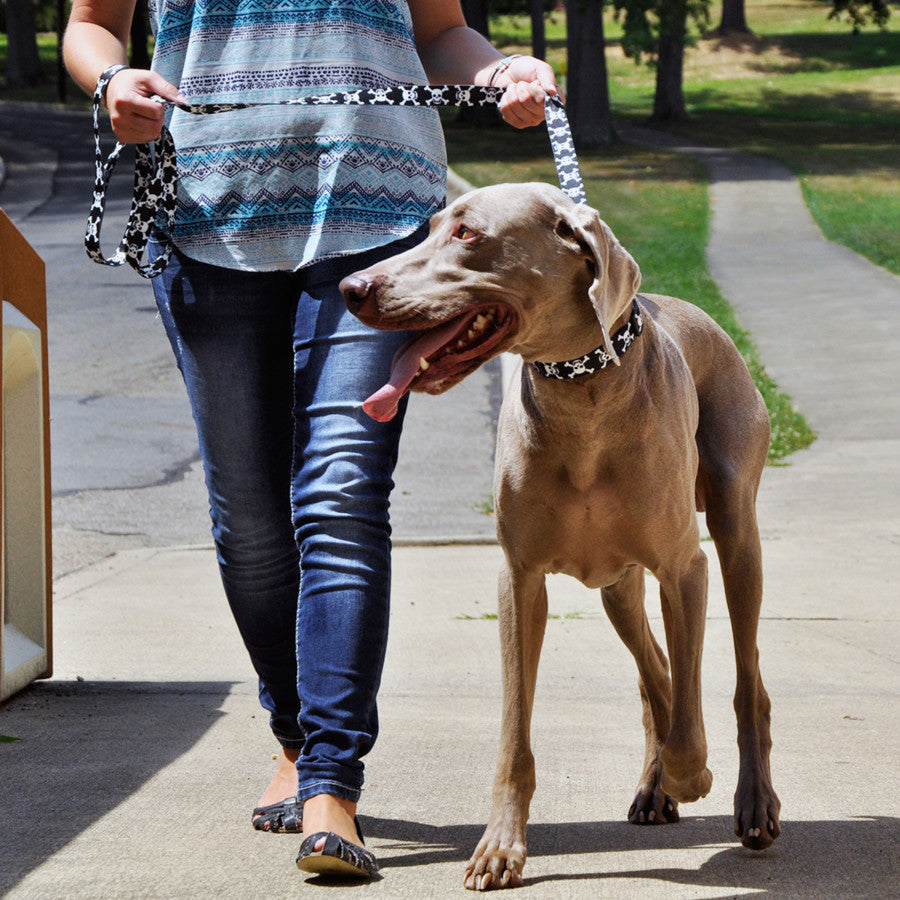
[382, 405]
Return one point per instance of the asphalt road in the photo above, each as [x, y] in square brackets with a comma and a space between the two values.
[125, 465]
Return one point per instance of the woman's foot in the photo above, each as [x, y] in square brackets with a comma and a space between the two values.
[335, 845]
[330, 815]
[283, 785]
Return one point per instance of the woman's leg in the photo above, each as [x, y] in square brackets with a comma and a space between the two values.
[231, 334]
[342, 480]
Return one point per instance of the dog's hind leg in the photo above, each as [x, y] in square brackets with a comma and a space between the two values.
[500, 855]
[731, 519]
[624, 604]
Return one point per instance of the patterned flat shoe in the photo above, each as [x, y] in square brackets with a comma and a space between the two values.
[286, 816]
[338, 857]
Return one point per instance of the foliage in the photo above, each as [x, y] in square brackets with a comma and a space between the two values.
[645, 21]
[860, 12]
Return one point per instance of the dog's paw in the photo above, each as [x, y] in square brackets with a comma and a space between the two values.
[495, 866]
[756, 811]
[652, 807]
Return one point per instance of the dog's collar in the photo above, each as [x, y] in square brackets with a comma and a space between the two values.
[597, 359]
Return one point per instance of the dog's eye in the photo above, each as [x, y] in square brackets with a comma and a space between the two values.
[462, 232]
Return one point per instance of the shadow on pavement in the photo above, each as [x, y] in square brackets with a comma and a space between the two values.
[106, 740]
[846, 858]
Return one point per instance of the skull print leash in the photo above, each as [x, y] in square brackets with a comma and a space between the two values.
[156, 174]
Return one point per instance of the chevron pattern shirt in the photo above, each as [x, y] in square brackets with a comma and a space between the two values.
[279, 187]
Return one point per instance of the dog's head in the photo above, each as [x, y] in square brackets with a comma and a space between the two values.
[514, 267]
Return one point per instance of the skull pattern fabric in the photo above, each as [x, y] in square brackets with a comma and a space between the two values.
[597, 359]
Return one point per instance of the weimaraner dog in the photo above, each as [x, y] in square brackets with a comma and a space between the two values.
[631, 412]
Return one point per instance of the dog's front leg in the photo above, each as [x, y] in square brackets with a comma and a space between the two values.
[500, 855]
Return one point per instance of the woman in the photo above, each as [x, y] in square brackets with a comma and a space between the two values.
[277, 204]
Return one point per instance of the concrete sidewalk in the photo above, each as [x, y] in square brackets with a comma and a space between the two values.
[140, 761]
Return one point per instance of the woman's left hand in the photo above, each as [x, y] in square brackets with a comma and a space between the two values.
[527, 80]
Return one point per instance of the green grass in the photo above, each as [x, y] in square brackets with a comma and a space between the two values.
[670, 246]
[803, 90]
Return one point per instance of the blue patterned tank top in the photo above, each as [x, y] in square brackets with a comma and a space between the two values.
[278, 187]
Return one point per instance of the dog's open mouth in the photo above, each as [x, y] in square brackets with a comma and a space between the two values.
[445, 353]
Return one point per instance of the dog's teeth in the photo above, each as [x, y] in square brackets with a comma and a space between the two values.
[460, 344]
[480, 323]
[423, 364]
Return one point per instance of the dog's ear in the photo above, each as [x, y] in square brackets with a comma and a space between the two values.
[616, 274]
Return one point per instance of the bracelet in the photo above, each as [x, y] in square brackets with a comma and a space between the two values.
[502, 66]
[104, 80]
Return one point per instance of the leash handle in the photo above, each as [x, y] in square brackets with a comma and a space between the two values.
[156, 173]
[154, 192]
[567, 169]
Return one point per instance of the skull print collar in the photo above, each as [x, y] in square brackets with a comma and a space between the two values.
[597, 359]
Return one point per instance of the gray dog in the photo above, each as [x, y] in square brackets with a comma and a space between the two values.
[631, 412]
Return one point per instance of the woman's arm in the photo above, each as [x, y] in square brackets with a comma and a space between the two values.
[453, 53]
[97, 38]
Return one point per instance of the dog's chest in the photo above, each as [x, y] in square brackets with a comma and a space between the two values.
[576, 522]
[592, 509]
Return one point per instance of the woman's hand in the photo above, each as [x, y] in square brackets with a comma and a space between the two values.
[527, 80]
[134, 117]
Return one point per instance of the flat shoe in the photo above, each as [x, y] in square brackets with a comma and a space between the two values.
[286, 816]
[338, 856]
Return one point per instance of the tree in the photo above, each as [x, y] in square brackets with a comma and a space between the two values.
[587, 86]
[140, 31]
[658, 30]
[538, 34]
[668, 99]
[23, 64]
[476, 15]
[734, 20]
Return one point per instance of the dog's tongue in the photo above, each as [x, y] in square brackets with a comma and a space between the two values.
[382, 405]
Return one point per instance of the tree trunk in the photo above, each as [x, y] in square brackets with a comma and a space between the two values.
[587, 87]
[538, 36]
[734, 21]
[476, 13]
[668, 102]
[23, 64]
[140, 29]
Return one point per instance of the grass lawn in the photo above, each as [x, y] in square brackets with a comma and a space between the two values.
[802, 89]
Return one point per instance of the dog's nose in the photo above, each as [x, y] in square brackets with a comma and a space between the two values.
[356, 290]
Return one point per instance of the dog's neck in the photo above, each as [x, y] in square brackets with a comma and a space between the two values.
[597, 359]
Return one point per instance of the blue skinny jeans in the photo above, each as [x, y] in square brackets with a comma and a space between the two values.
[299, 479]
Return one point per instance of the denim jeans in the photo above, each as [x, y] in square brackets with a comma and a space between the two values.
[299, 479]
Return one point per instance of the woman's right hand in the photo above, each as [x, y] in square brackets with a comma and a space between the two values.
[134, 117]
